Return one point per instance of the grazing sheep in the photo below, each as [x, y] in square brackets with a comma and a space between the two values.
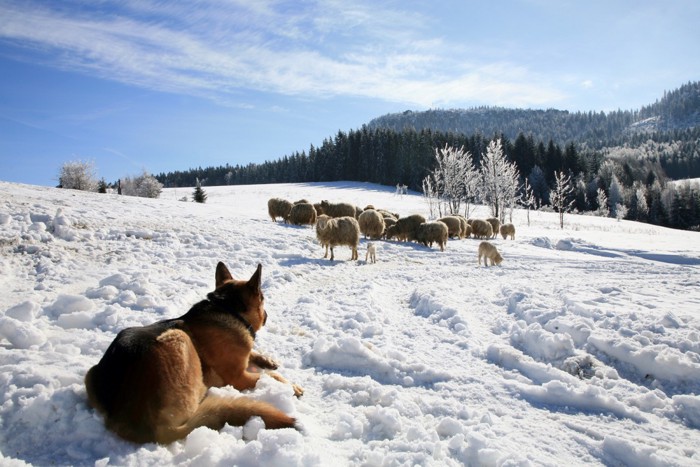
[369, 206]
[371, 224]
[454, 226]
[405, 228]
[388, 222]
[470, 221]
[489, 252]
[495, 226]
[318, 208]
[481, 229]
[508, 230]
[337, 209]
[371, 252]
[302, 214]
[335, 231]
[429, 232]
[278, 207]
[301, 201]
[465, 226]
[386, 214]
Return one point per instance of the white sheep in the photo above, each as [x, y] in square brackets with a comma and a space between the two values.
[371, 223]
[335, 231]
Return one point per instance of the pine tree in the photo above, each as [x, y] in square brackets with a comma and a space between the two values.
[199, 195]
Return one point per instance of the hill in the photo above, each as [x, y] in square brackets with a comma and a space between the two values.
[587, 335]
[675, 111]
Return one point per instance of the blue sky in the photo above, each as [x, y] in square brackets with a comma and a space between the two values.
[155, 85]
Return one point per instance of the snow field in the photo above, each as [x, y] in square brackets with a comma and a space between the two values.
[583, 347]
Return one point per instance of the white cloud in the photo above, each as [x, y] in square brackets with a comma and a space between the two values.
[217, 49]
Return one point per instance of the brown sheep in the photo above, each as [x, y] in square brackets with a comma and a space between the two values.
[489, 252]
[278, 207]
[335, 231]
[388, 222]
[481, 229]
[337, 209]
[371, 224]
[429, 232]
[465, 225]
[405, 228]
[386, 214]
[318, 208]
[302, 214]
[454, 226]
[467, 231]
[508, 230]
[495, 226]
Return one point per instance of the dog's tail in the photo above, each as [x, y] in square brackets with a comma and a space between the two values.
[214, 412]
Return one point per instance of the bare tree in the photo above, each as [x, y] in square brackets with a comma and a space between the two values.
[78, 175]
[560, 196]
[500, 180]
[527, 198]
[451, 182]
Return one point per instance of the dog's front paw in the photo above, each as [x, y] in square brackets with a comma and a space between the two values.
[263, 361]
[298, 390]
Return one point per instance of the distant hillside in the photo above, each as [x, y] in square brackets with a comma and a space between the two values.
[677, 110]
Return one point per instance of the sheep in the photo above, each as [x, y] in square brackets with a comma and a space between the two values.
[388, 222]
[301, 201]
[405, 228]
[481, 229]
[337, 209]
[318, 208]
[508, 230]
[371, 224]
[278, 207]
[495, 226]
[488, 251]
[302, 214]
[386, 214]
[466, 228]
[335, 231]
[371, 252]
[454, 226]
[429, 232]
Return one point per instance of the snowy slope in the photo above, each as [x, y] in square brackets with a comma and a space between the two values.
[583, 347]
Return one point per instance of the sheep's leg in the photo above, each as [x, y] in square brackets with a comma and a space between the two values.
[332, 257]
[325, 255]
[354, 254]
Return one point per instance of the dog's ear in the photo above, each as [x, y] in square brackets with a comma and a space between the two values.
[222, 275]
[255, 279]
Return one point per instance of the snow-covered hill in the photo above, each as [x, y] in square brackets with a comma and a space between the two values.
[583, 347]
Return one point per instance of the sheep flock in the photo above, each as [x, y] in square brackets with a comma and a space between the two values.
[343, 224]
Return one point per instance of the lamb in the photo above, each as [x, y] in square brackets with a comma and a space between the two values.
[481, 229]
[495, 226]
[371, 252]
[337, 209]
[371, 224]
[405, 228]
[335, 231]
[429, 232]
[454, 226]
[302, 214]
[508, 230]
[488, 251]
[278, 207]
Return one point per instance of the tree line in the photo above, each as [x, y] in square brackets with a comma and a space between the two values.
[639, 185]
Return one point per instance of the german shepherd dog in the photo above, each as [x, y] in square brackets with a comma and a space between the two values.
[151, 384]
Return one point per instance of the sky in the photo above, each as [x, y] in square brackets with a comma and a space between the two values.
[148, 85]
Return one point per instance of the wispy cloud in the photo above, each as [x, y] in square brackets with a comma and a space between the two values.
[217, 49]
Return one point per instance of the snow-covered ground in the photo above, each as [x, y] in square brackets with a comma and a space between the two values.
[582, 348]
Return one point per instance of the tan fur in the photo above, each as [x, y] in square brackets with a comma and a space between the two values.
[454, 226]
[277, 207]
[481, 228]
[489, 252]
[371, 252]
[335, 231]
[495, 226]
[151, 384]
[508, 230]
[371, 224]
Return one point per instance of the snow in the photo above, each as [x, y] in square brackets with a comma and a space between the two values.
[582, 347]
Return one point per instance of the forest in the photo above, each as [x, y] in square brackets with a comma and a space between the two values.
[631, 155]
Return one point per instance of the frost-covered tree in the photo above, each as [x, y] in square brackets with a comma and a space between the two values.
[453, 178]
[560, 196]
[602, 200]
[144, 186]
[199, 195]
[500, 180]
[78, 175]
[638, 208]
[527, 198]
[431, 195]
[614, 195]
